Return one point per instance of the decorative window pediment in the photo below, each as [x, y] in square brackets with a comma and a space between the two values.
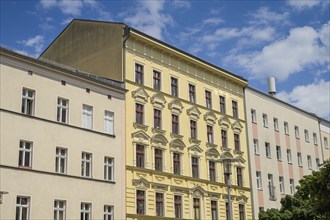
[140, 137]
[224, 122]
[239, 161]
[175, 106]
[198, 192]
[226, 155]
[242, 199]
[140, 95]
[195, 150]
[212, 154]
[159, 140]
[177, 144]
[210, 117]
[237, 127]
[158, 100]
[141, 183]
[194, 112]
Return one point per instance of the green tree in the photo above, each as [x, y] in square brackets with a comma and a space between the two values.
[311, 201]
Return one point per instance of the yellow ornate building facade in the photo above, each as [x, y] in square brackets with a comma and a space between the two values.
[182, 116]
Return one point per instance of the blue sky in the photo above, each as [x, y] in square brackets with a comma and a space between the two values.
[255, 39]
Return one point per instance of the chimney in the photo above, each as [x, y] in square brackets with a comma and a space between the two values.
[271, 86]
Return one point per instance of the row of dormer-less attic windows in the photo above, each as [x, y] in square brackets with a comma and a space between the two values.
[157, 83]
[286, 127]
[62, 116]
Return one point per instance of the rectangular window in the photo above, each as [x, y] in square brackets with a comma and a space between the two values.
[241, 209]
[108, 212]
[157, 119]
[299, 159]
[209, 134]
[140, 156]
[292, 188]
[178, 206]
[275, 120]
[255, 146]
[28, 96]
[309, 162]
[87, 117]
[235, 109]
[193, 129]
[194, 167]
[60, 160]
[139, 112]
[22, 208]
[222, 104]
[86, 164]
[59, 210]
[139, 73]
[158, 159]
[174, 87]
[289, 156]
[259, 180]
[159, 204]
[224, 140]
[108, 168]
[253, 116]
[197, 209]
[271, 187]
[25, 154]
[214, 210]
[192, 93]
[306, 135]
[296, 131]
[278, 153]
[317, 160]
[281, 181]
[212, 170]
[140, 202]
[268, 152]
[314, 138]
[286, 128]
[157, 80]
[108, 122]
[265, 120]
[208, 99]
[239, 176]
[176, 163]
[62, 110]
[85, 211]
[237, 142]
[175, 124]
[325, 141]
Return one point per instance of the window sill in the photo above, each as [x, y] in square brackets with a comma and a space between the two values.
[194, 141]
[211, 145]
[174, 135]
[140, 126]
[158, 131]
[225, 148]
[25, 167]
[239, 152]
[269, 157]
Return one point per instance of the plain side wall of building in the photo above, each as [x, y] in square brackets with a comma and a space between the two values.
[325, 139]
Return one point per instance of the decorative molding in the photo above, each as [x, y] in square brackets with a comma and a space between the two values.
[198, 192]
[140, 126]
[212, 154]
[158, 100]
[177, 144]
[193, 112]
[159, 140]
[158, 131]
[141, 183]
[176, 136]
[237, 127]
[195, 150]
[140, 95]
[158, 186]
[140, 137]
[175, 106]
[210, 118]
[194, 141]
[224, 122]
[211, 145]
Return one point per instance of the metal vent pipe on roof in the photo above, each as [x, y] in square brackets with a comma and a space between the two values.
[271, 86]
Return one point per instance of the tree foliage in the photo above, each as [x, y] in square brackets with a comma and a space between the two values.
[311, 200]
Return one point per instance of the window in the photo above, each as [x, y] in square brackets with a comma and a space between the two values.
[253, 116]
[278, 153]
[139, 112]
[317, 164]
[87, 117]
[241, 209]
[28, 101]
[108, 122]
[139, 73]
[25, 154]
[140, 202]
[209, 134]
[208, 99]
[86, 164]
[192, 93]
[176, 163]
[235, 109]
[159, 204]
[22, 208]
[239, 176]
[62, 110]
[157, 119]
[174, 86]
[309, 162]
[158, 159]
[108, 212]
[194, 167]
[108, 168]
[325, 141]
[259, 180]
[222, 104]
[157, 80]
[292, 188]
[314, 138]
[261, 209]
[197, 211]
[271, 187]
[60, 160]
[224, 140]
[281, 181]
[265, 120]
[237, 142]
[296, 131]
[214, 210]
[59, 210]
[286, 128]
[193, 129]
[178, 206]
[212, 170]
[275, 121]
[85, 211]
[256, 146]
[140, 156]
[175, 124]
[288, 152]
[268, 152]
[299, 159]
[306, 135]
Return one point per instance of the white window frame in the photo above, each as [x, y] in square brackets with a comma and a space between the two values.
[299, 157]
[268, 150]
[87, 117]
[61, 160]
[253, 116]
[20, 207]
[289, 155]
[278, 152]
[28, 101]
[256, 146]
[108, 212]
[292, 188]
[281, 183]
[22, 153]
[309, 162]
[59, 207]
[275, 121]
[109, 164]
[314, 138]
[265, 120]
[296, 131]
[286, 128]
[86, 162]
[259, 180]
[306, 135]
[62, 110]
[109, 122]
[325, 141]
[86, 211]
[317, 161]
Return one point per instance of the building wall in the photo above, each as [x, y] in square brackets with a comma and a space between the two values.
[40, 182]
[264, 104]
[325, 139]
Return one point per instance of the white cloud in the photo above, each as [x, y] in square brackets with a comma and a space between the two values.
[264, 16]
[36, 42]
[48, 3]
[314, 98]
[181, 4]
[303, 4]
[213, 21]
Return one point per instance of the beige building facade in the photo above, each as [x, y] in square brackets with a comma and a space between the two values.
[62, 142]
[325, 137]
